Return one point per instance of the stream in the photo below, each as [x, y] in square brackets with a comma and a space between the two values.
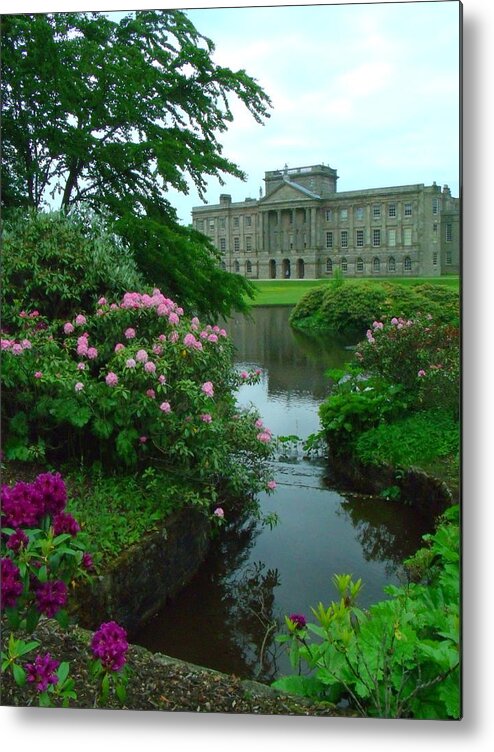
[228, 615]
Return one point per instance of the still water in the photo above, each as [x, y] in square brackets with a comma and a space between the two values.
[228, 616]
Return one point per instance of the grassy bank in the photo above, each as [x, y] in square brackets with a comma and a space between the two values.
[290, 291]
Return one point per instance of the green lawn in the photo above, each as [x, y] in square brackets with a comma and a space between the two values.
[289, 291]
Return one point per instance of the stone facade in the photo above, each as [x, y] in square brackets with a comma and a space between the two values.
[303, 228]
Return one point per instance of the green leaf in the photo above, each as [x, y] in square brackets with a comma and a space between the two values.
[19, 674]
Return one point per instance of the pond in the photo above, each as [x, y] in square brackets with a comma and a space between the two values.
[228, 616]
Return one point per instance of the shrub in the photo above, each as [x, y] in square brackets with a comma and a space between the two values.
[351, 307]
[400, 658]
[60, 264]
[129, 383]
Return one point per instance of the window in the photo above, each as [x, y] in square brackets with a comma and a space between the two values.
[248, 242]
[391, 238]
[236, 266]
[222, 223]
[407, 264]
[391, 210]
[435, 206]
[211, 224]
[222, 245]
[329, 215]
[235, 221]
[329, 240]
[434, 258]
[407, 236]
[248, 221]
[434, 227]
[236, 244]
[248, 267]
[407, 210]
[343, 213]
[376, 211]
[449, 258]
[360, 264]
[449, 232]
[376, 237]
[359, 238]
[344, 264]
[200, 225]
[359, 212]
[391, 264]
[329, 266]
[376, 265]
[290, 218]
[344, 238]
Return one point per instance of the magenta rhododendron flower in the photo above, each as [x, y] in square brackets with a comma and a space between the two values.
[87, 561]
[208, 389]
[22, 506]
[130, 333]
[42, 672]
[50, 489]
[51, 596]
[11, 585]
[165, 407]
[298, 620]
[109, 644]
[111, 379]
[17, 540]
[65, 523]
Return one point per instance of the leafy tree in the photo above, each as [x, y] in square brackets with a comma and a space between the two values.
[112, 114]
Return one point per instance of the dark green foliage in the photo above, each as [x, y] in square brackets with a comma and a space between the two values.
[111, 115]
[61, 264]
[352, 306]
[417, 439]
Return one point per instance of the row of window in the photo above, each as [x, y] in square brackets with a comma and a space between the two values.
[376, 264]
[359, 211]
[210, 224]
[376, 237]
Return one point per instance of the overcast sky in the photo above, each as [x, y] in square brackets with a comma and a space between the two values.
[371, 90]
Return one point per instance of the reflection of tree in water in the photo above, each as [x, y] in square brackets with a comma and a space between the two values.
[387, 531]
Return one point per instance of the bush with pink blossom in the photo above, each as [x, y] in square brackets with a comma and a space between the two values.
[92, 386]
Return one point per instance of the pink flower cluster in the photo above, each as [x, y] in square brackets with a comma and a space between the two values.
[14, 346]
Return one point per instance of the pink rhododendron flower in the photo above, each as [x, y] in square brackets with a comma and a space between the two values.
[92, 353]
[157, 349]
[143, 439]
[174, 336]
[165, 407]
[264, 437]
[141, 356]
[130, 363]
[119, 346]
[218, 512]
[23, 315]
[26, 344]
[102, 301]
[162, 379]
[259, 423]
[130, 333]
[68, 327]
[208, 389]
[271, 485]
[6, 344]
[173, 318]
[394, 320]
[111, 379]
[222, 333]
[79, 386]
[150, 393]
[81, 366]
[206, 418]
[421, 373]
[38, 375]
[244, 375]
[80, 320]
[213, 338]
[17, 349]
[34, 314]
[149, 367]
[162, 338]
[189, 340]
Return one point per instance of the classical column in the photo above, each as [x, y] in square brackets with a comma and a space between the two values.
[312, 239]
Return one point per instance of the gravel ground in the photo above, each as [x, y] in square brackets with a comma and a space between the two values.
[158, 682]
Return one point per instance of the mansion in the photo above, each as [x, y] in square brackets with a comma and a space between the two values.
[303, 228]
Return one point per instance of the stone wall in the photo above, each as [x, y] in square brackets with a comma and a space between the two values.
[141, 580]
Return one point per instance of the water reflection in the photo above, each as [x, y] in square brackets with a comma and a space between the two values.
[228, 616]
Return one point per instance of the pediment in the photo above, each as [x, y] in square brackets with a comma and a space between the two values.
[289, 192]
